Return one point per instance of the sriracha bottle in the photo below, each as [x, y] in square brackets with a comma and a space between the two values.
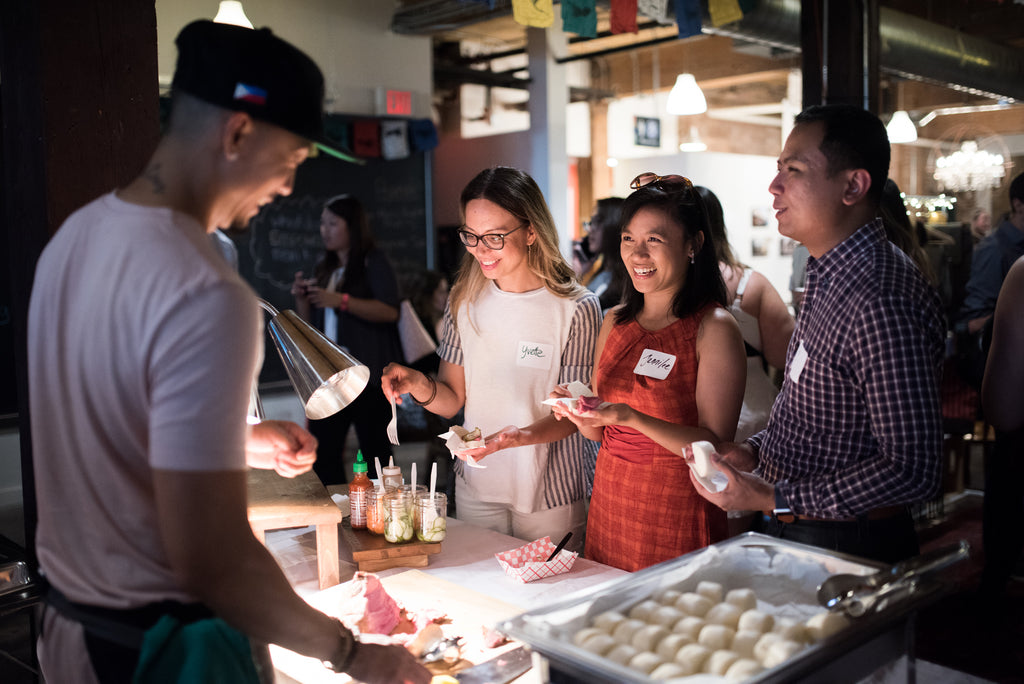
[357, 490]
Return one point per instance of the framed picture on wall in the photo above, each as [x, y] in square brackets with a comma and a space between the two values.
[760, 246]
[786, 246]
[759, 216]
[646, 131]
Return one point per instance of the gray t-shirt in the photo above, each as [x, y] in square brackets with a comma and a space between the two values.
[144, 344]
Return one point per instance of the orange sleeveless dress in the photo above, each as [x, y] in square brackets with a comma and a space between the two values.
[644, 509]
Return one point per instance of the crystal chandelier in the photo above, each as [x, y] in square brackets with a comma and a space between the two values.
[969, 169]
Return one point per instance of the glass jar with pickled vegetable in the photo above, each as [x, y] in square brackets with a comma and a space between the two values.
[398, 525]
[376, 513]
[429, 519]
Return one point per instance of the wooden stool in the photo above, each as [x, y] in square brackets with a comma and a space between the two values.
[277, 502]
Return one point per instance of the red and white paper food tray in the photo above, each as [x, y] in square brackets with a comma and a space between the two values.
[522, 565]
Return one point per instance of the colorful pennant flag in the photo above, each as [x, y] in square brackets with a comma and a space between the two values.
[688, 17]
[394, 138]
[658, 10]
[366, 138]
[536, 13]
[580, 17]
[724, 11]
[623, 16]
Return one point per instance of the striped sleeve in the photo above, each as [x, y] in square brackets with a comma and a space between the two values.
[570, 471]
[450, 346]
[578, 352]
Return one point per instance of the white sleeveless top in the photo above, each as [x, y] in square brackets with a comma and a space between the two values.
[760, 392]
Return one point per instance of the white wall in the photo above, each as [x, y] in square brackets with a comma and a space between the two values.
[349, 39]
[741, 183]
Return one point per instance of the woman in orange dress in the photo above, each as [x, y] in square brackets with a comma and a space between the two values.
[670, 360]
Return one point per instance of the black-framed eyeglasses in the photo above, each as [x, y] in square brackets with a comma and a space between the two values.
[670, 183]
[495, 241]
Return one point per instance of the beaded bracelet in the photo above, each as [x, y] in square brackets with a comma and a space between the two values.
[433, 392]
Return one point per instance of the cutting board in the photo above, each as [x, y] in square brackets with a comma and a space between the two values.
[467, 612]
[372, 553]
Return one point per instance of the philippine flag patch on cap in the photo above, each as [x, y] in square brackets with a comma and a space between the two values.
[251, 94]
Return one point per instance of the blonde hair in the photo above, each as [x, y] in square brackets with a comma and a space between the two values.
[517, 193]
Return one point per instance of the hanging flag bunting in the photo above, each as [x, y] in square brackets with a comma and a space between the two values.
[658, 10]
[580, 17]
[623, 16]
[724, 11]
[536, 13]
[688, 17]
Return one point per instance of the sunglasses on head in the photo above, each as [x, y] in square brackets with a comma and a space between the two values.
[669, 183]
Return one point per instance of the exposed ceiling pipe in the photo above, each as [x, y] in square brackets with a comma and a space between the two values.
[910, 47]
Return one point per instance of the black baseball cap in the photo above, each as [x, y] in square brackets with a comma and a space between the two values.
[254, 71]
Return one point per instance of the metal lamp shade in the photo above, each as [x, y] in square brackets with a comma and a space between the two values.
[325, 377]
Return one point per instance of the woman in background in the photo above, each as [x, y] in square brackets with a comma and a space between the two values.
[518, 323]
[609, 281]
[353, 299]
[764, 321]
[669, 360]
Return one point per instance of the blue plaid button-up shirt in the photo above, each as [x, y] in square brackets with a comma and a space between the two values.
[858, 422]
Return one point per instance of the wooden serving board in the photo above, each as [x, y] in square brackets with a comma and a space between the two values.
[372, 553]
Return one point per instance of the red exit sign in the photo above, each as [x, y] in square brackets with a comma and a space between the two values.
[399, 102]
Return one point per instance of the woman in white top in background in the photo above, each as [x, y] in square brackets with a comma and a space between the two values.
[764, 320]
[518, 323]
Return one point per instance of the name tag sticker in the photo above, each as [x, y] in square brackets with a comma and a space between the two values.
[534, 354]
[799, 361]
[655, 364]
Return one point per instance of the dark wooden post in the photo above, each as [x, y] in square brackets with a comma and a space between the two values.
[839, 52]
[80, 113]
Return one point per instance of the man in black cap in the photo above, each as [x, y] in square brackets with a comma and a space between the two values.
[144, 347]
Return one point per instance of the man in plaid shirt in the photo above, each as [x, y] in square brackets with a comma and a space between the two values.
[856, 433]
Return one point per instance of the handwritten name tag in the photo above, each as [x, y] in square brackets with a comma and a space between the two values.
[534, 354]
[655, 364]
[799, 361]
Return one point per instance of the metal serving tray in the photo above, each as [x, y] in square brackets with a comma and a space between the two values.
[783, 574]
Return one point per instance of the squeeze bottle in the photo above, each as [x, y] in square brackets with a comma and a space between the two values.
[357, 490]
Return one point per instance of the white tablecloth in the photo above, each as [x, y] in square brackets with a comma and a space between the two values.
[466, 559]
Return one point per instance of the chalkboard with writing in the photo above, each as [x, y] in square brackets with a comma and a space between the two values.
[285, 236]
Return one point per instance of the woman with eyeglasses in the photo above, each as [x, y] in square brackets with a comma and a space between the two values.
[517, 323]
[670, 364]
[353, 298]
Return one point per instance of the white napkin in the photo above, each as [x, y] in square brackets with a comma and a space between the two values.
[577, 389]
[713, 479]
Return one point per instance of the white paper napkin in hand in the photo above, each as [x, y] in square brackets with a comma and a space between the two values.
[454, 439]
[713, 479]
[577, 389]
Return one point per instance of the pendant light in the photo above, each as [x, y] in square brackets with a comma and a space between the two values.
[692, 143]
[686, 97]
[900, 128]
[231, 12]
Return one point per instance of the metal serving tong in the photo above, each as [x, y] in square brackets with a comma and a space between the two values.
[430, 645]
[857, 595]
